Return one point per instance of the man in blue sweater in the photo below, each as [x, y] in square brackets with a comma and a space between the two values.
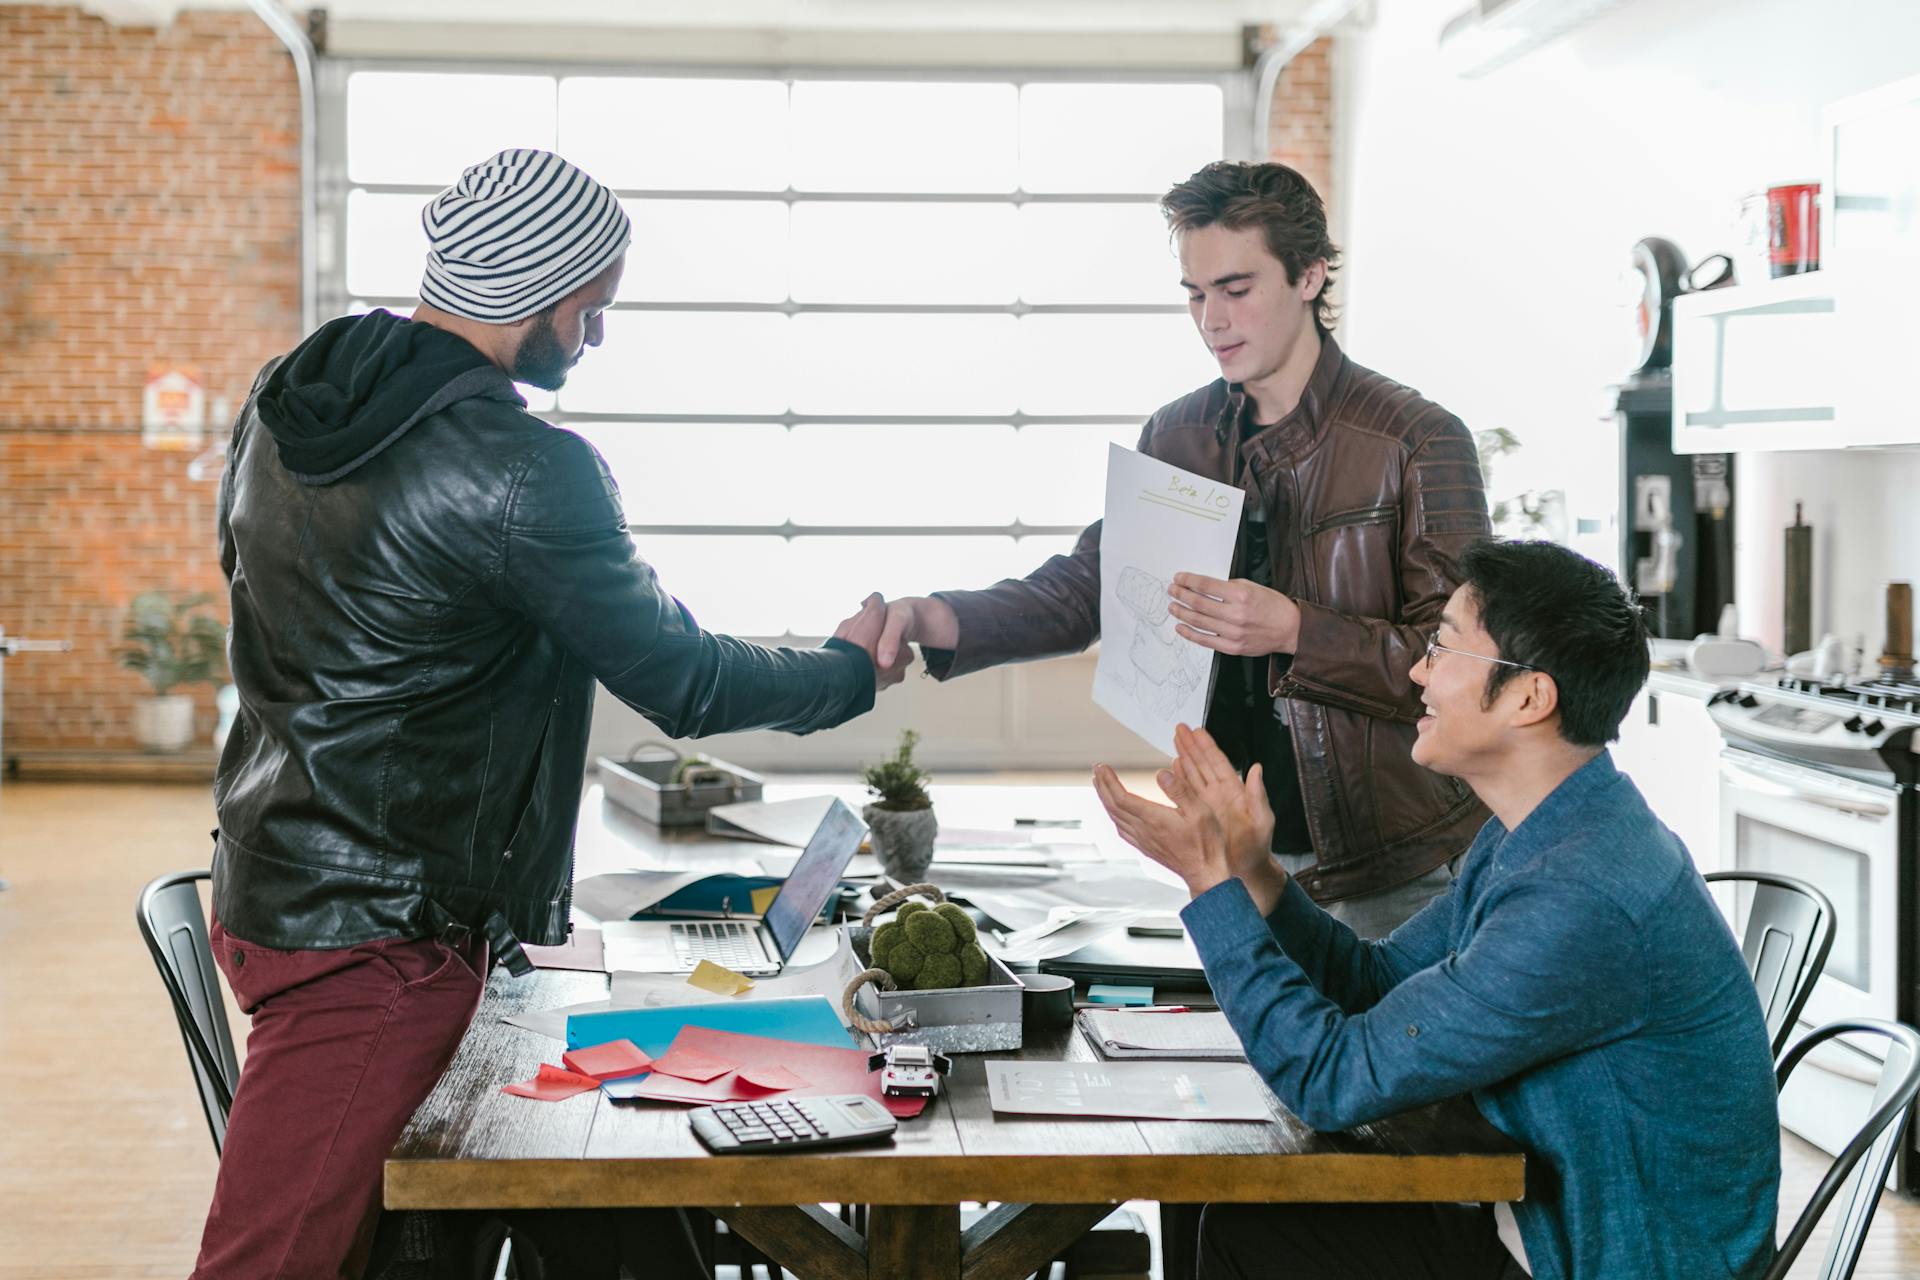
[1577, 979]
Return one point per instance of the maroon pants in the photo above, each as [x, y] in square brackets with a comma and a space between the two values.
[345, 1045]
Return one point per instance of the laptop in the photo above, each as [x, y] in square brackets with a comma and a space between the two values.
[757, 948]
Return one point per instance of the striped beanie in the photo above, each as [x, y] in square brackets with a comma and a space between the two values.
[516, 234]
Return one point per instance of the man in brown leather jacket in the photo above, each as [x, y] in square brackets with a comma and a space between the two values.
[1359, 496]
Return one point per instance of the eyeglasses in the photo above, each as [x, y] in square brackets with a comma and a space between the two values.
[1435, 649]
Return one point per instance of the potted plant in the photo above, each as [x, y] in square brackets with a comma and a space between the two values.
[170, 643]
[900, 820]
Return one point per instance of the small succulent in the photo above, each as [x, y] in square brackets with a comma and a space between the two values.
[900, 784]
[930, 948]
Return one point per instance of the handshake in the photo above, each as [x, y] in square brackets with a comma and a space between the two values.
[888, 632]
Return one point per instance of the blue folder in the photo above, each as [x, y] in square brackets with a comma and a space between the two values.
[808, 1019]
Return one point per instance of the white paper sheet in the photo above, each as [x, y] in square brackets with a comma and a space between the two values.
[788, 822]
[1025, 905]
[619, 895]
[1140, 1090]
[1066, 930]
[1160, 520]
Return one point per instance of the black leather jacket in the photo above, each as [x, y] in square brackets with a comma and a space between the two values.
[422, 602]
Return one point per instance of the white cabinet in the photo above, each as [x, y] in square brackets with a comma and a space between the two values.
[1820, 361]
[1872, 249]
[1670, 747]
[1753, 367]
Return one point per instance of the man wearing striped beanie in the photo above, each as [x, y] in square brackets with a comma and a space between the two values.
[426, 584]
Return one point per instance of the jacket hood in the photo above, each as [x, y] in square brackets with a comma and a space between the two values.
[359, 383]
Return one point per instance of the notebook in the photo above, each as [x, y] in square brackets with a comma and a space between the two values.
[1192, 1037]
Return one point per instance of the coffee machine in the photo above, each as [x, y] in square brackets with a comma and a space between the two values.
[1676, 526]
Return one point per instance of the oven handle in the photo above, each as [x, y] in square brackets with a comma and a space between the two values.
[1769, 786]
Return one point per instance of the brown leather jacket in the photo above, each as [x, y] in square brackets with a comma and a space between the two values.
[1371, 492]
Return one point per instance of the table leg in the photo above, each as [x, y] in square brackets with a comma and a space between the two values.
[919, 1240]
[805, 1239]
[1015, 1240]
[1180, 1241]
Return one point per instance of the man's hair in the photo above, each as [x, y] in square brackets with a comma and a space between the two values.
[1558, 612]
[1272, 197]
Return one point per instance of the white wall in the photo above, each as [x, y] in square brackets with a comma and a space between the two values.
[1488, 224]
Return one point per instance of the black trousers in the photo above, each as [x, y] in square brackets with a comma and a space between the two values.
[1352, 1242]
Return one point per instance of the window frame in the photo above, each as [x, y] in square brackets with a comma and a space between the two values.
[333, 187]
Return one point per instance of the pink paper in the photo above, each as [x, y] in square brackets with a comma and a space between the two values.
[551, 1084]
[690, 1064]
[825, 1071]
[611, 1061]
[771, 1077]
[583, 950]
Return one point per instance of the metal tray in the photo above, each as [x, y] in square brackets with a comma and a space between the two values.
[950, 1019]
[639, 784]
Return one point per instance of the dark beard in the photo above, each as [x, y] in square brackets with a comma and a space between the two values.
[541, 360]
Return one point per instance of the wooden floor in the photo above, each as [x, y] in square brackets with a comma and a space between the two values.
[105, 1163]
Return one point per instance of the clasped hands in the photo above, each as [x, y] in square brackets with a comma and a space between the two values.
[1219, 827]
[1236, 616]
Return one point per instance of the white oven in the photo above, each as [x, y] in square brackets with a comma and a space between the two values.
[1842, 835]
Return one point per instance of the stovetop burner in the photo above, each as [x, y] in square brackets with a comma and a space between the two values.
[1881, 692]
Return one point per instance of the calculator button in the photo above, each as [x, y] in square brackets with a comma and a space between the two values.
[753, 1135]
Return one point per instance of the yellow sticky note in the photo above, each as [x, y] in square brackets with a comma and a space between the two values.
[763, 898]
[719, 979]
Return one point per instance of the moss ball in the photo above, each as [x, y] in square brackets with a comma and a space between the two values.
[883, 941]
[957, 916]
[904, 961]
[973, 965]
[931, 933]
[910, 907]
[939, 971]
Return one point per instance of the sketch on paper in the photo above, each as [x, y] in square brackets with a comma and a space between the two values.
[1160, 520]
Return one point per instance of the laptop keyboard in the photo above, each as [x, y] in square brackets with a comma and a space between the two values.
[725, 942]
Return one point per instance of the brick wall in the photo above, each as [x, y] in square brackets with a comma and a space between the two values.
[1300, 131]
[149, 211]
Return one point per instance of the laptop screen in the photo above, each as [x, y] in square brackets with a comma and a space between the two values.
[814, 875]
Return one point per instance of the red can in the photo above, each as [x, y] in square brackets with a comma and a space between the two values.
[1793, 228]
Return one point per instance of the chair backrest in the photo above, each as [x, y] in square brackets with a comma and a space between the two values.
[175, 928]
[1857, 1173]
[1789, 933]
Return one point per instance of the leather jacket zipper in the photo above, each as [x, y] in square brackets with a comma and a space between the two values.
[1369, 515]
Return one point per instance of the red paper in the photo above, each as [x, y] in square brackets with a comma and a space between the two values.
[551, 1084]
[611, 1061]
[826, 1071]
[771, 1077]
[690, 1064]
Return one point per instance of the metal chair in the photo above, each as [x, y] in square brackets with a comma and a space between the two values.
[1857, 1173]
[175, 929]
[1789, 933]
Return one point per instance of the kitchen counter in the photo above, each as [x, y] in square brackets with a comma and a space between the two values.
[1682, 682]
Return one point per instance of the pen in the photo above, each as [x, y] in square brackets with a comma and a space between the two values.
[1046, 822]
[1159, 1008]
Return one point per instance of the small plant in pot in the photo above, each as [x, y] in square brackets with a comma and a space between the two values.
[900, 821]
[170, 643]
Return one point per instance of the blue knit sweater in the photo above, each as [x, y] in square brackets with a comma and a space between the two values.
[1578, 980]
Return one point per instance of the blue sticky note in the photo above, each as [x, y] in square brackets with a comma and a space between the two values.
[1111, 993]
[808, 1019]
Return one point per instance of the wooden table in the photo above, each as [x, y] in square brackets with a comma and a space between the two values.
[472, 1147]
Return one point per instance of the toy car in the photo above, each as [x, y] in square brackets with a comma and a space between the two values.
[909, 1070]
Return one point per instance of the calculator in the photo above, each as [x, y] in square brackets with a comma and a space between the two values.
[791, 1124]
